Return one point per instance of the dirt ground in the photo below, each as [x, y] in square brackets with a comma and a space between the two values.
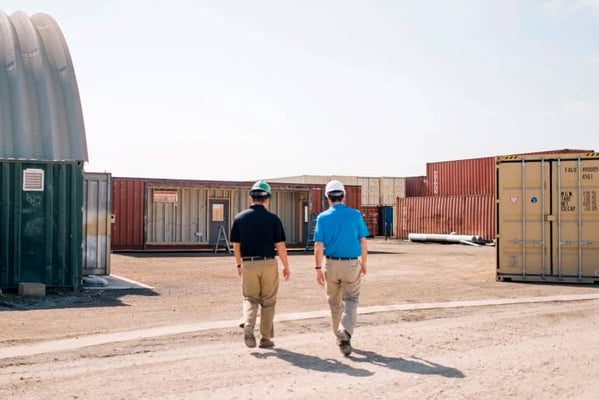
[434, 324]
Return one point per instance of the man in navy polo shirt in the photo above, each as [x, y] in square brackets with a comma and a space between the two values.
[340, 237]
[255, 234]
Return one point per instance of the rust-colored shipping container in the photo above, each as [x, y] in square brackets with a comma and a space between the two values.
[371, 217]
[416, 186]
[461, 177]
[464, 215]
[471, 176]
[128, 213]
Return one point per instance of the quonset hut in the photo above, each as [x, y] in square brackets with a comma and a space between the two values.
[42, 151]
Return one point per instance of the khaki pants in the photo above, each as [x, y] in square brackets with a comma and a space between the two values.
[343, 278]
[259, 285]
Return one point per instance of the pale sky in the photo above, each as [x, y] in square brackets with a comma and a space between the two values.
[244, 90]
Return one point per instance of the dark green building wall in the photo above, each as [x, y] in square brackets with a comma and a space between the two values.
[41, 230]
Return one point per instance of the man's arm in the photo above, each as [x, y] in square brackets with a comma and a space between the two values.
[364, 255]
[282, 252]
[237, 254]
[318, 261]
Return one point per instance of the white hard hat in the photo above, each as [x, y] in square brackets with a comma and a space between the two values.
[334, 186]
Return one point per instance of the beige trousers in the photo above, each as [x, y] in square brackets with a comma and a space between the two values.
[343, 281]
[259, 285]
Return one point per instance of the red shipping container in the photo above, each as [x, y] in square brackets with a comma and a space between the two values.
[464, 215]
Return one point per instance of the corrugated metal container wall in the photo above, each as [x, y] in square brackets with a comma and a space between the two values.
[41, 223]
[371, 217]
[97, 209]
[391, 189]
[461, 177]
[416, 186]
[548, 218]
[464, 215]
[317, 199]
[128, 211]
[176, 215]
[371, 191]
[353, 196]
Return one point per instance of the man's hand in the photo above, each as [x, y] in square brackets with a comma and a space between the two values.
[286, 272]
[320, 277]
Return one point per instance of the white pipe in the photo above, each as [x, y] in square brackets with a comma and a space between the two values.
[443, 238]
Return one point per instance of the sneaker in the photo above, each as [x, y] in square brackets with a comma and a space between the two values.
[266, 344]
[343, 341]
[248, 336]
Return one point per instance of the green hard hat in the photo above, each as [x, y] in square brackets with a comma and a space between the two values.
[260, 189]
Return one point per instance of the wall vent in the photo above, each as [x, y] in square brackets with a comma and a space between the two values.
[33, 180]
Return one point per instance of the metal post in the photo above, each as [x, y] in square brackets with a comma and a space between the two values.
[559, 218]
[523, 219]
[579, 169]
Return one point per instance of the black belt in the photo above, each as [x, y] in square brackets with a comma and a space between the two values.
[256, 258]
[342, 258]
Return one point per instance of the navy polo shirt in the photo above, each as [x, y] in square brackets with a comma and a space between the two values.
[340, 229]
[257, 230]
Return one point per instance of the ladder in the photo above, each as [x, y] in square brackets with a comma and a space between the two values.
[222, 235]
[310, 233]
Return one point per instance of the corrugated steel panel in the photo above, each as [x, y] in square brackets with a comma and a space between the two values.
[371, 190]
[416, 186]
[464, 215]
[391, 189]
[353, 196]
[41, 224]
[548, 218]
[128, 211]
[97, 208]
[371, 217]
[461, 177]
[40, 108]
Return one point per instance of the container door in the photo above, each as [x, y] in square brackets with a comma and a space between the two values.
[523, 224]
[576, 253]
[219, 221]
[96, 223]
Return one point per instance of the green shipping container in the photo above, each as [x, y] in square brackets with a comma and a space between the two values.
[41, 211]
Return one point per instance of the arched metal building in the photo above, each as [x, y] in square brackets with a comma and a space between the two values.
[42, 151]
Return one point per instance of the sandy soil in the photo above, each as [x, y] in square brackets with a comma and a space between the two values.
[437, 337]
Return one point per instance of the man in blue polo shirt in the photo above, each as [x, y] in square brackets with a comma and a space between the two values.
[340, 237]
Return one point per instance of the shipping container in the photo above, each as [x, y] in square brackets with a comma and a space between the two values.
[391, 189]
[371, 190]
[96, 223]
[386, 221]
[548, 218]
[461, 177]
[41, 223]
[416, 186]
[371, 218]
[463, 215]
[164, 214]
[470, 176]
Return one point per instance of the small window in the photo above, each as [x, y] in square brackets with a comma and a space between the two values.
[165, 196]
[33, 180]
[218, 212]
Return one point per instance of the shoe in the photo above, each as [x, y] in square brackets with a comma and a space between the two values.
[344, 343]
[266, 344]
[248, 336]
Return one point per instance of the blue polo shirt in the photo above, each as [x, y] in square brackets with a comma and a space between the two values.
[340, 229]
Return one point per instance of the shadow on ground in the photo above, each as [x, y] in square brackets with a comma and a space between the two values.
[314, 363]
[75, 299]
[413, 366]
